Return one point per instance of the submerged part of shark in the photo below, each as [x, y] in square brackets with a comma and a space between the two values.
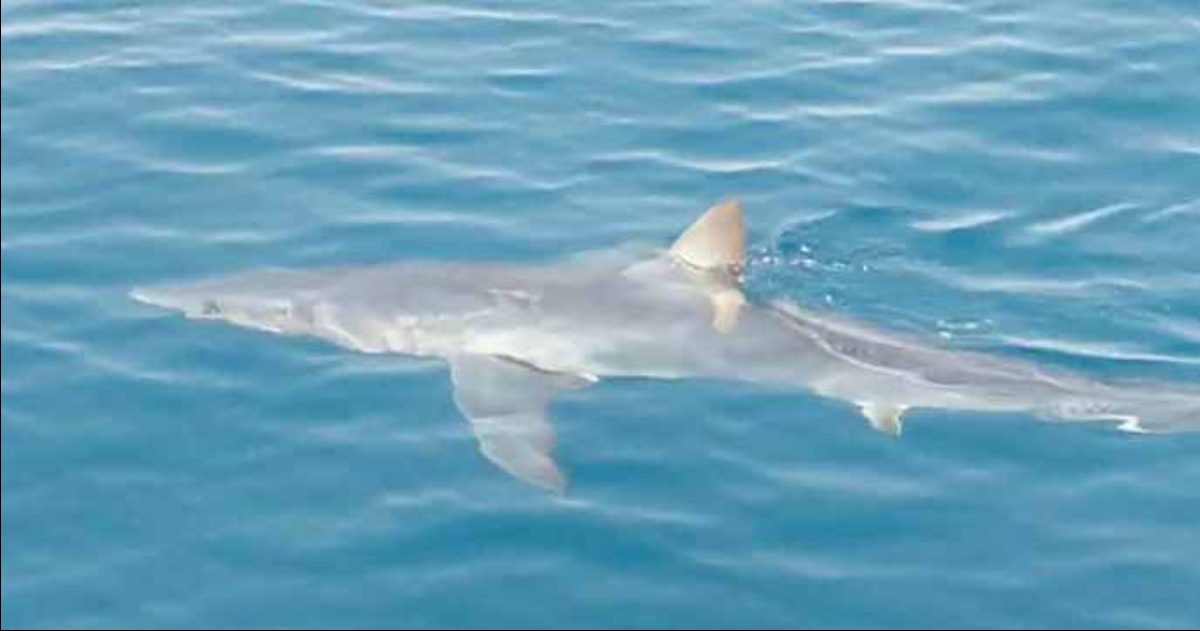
[515, 337]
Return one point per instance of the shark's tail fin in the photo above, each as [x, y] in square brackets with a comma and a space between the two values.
[1171, 420]
[1148, 411]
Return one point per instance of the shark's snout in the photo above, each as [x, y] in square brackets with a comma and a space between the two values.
[179, 300]
[161, 298]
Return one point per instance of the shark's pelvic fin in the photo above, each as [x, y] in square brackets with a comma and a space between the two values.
[885, 418]
[506, 402]
[716, 241]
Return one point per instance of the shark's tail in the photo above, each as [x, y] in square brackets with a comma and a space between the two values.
[1141, 411]
[1181, 419]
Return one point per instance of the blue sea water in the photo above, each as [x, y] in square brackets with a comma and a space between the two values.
[1010, 176]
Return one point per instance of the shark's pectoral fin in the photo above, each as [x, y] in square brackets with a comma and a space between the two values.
[885, 418]
[506, 402]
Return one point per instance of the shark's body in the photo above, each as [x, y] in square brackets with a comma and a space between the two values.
[515, 336]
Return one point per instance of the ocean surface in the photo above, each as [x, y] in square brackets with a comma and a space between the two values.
[1015, 177]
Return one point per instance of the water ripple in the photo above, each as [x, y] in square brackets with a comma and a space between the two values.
[1178, 211]
[1092, 350]
[342, 83]
[94, 361]
[1030, 87]
[61, 25]
[1061, 287]
[652, 159]
[968, 221]
[1079, 221]
[437, 12]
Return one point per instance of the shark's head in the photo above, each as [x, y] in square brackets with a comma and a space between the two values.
[259, 291]
[196, 302]
[178, 298]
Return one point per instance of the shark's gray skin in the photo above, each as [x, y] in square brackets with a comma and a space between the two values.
[516, 336]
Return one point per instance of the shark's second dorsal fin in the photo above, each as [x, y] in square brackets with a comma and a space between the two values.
[716, 241]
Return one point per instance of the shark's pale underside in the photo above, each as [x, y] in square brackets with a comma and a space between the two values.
[515, 337]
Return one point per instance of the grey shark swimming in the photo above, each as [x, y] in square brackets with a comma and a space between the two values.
[515, 337]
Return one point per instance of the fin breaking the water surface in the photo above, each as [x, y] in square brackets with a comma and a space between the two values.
[717, 240]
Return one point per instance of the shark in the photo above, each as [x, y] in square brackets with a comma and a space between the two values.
[515, 337]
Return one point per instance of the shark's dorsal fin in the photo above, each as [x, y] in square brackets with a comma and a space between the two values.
[716, 241]
[715, 245]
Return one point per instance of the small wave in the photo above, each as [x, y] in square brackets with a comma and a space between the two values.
[1095, 350]
[1184, 328]
[635, 515]
[96, 361]
[968, 221]
[1019, 285]
[382, 431]
[444, 166]
[790, 113]
[1077, 222]
[148, 158]
[62, 25]
[1184, 147]
[425, 500]
[379, 153]
[1186, 209]
[343, 83]
[1029, 88]
[434, 12]
[798, 563]
[198, 115]
[524, 80]
[305, 39]
[701, 165]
